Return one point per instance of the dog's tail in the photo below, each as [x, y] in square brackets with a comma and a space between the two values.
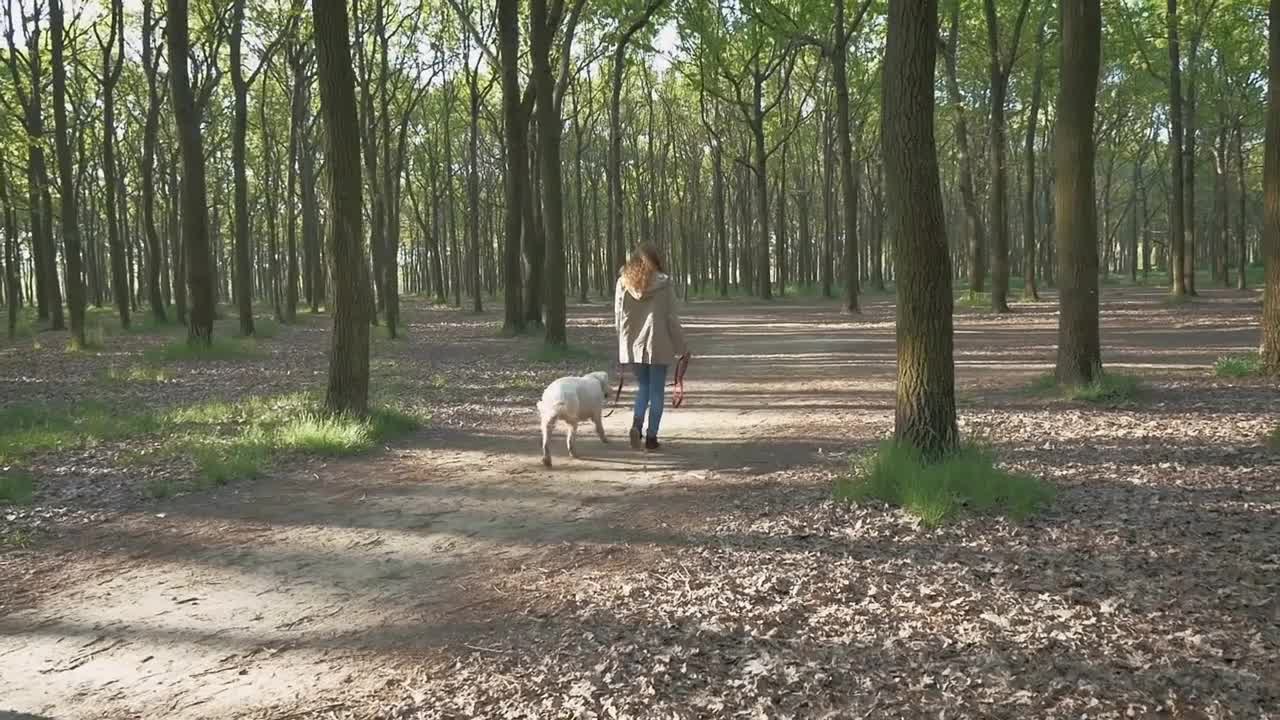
[546, 409]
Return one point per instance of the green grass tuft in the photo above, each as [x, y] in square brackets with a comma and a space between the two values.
[1105, 389]
[1238, 366]
[332, 436]
[30, 429]
[242, 458]
[19, 538]
[974, 301]
[16, 487]
[142, 374]
[1273, 440]
[222, 348]
[967, 480]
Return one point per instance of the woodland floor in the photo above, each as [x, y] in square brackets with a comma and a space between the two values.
[451, 576]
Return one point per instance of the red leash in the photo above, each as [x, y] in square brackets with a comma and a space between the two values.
[682, 365]
[677, 382]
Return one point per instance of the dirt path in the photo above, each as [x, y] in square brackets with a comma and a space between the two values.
[313, 582]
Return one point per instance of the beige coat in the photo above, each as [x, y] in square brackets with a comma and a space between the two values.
[648, 325]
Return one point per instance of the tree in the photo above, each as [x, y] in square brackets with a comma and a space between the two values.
[150, 63]
[348, 391]
[974, 229]
[926, 405]
[66, 180]
[111, 68]
[1029, 207]
[1271, 211]
[195, 207]
[1079, 347]
[1000, 66]
[517, 160]
[44, 255]
[541, 34]
[1177, 201]
[11, 282]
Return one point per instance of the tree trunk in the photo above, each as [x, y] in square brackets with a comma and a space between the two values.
[517, 160]
[1177, 208]
[852, 188]
[999, 71]
[243, 276]
[155, 291]
[541, 35]
[62, 142]
[1271, 206]
[1221, 246]
[828, 208]
[116, 244]
[1242, 278]
[848, 183]
[1029, 214]
[974, 230]
[1079, 346]
[195, 206]
[926, 405]
[348, 391]
[763, 278]
[473, 189]
[177, 251]
[11, 280]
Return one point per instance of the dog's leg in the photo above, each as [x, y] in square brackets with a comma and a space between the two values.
[573, 432]
[599, 421]
[548, 427]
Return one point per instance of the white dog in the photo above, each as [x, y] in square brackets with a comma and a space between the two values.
[573, 400]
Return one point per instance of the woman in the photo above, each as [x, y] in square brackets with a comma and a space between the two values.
[649, 336]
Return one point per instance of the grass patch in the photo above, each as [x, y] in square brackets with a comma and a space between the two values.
[30, 429]
[16, 488]
[1238, 366]
[222, 348]
[226, 441]
[557, 354]
[974, 300]
[1105, 389]
[134, 374]
[1273, 440]
[20, 539]
[240, 458]
[968, 480]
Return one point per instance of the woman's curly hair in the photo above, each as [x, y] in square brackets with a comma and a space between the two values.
[644, 263]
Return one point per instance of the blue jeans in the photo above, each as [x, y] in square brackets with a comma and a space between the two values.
[651, 395]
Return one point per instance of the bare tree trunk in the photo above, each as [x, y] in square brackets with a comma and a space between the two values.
[1177, 206]
[1079, 346]
[926, 404]
[974, 229]
[1271, 208]
[1029, 219]
[541, 36]
[828, 206]
[11, 281]
[243, 276]
[62, 142]
[150, 58]
[473, 188]
[999, 70]
[1242, 279]
[195, 206]
[110, 76]
[517, 161]
[348, 390]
